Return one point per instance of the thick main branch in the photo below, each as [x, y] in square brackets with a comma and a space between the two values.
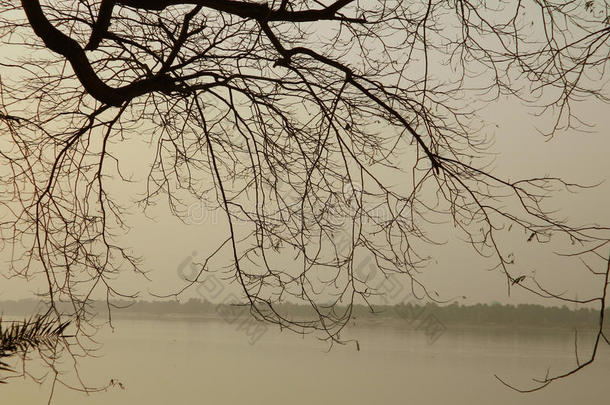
[244, 9]
[61, 43]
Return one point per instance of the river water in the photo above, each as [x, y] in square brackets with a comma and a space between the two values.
[213, 362]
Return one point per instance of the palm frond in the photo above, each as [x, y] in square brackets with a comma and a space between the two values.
[37, 332]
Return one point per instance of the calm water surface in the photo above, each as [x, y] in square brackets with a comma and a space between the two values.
[179, 362]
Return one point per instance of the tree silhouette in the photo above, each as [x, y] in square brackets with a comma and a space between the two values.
[290, 117]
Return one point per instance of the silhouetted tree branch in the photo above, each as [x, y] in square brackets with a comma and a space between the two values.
[600, 337]
[325, 131]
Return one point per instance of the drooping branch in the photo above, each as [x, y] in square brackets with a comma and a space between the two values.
[287, 55]
[600, 337]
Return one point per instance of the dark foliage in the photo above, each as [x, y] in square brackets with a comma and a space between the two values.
[37, 332]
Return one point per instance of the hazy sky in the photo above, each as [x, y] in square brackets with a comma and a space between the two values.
[455, 271]
[166, 244]
[382, 362]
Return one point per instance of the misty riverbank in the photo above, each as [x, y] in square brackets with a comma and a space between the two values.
[410, 314]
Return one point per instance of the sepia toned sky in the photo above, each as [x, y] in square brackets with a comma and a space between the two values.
[455, 270]
[428, 59]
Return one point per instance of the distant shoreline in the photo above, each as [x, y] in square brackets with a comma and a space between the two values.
[409, 315]
[383, 322]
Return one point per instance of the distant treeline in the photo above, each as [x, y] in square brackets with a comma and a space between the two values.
[523, 315]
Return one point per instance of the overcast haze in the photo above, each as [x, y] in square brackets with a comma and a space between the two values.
[364, 150]
[578, 157]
